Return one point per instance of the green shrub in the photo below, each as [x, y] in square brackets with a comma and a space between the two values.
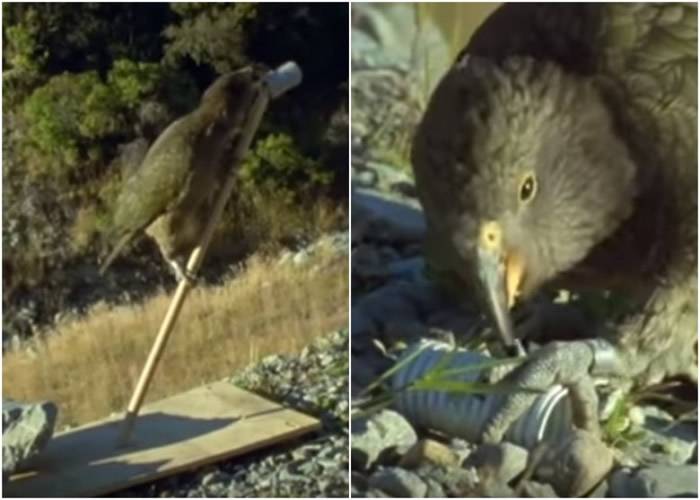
[277, 165]
[212, 34]
[130, 81]
[69, 117]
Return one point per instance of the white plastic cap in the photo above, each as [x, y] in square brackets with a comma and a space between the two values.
[282, 79]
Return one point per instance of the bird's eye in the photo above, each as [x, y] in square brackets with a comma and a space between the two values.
[528, 188]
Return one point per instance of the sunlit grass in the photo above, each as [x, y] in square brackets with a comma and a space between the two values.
[89, 366]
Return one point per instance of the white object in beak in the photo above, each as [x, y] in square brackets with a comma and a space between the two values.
[285, 77]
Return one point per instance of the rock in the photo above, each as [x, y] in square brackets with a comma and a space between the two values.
[428, 450]
[398, 482]
[381, 434]
[600, 491]
[388, 178]
[660, 440]
[660, 481]
[494, 489]
[461, 448]
[364, 178]
[576, 464]
[26, 430]
[411, 270]
[435, 489]
[455, 481]
[382, 217]
[534, 489]
[395, 302]
[367, 263]
[498, 463]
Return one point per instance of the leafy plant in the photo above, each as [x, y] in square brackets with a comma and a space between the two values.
[212, 34]
[276, 164]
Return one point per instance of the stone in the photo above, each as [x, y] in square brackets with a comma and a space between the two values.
[660, 481]
[386, 218]
[428, 450]
[367, 263]
[498, 463]
[534, 489]
[576, 464]
[26, 430]
[381, 434]
[435, 489]
[455, 481]
[461, 448]
[410, 270]
[396, 301]
[398, 482]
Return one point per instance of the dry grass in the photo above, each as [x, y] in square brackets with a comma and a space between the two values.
[90, 366]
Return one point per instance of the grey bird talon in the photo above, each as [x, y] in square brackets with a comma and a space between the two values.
[564, 363]
[181, 272]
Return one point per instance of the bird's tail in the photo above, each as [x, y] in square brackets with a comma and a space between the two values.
[114, 253]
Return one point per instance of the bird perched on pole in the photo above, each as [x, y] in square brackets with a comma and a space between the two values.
[560, 150]
[172, 191]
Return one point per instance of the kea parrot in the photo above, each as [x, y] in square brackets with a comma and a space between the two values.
[172, 192]
[560, 151]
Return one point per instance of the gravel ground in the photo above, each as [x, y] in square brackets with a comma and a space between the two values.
[314, 382]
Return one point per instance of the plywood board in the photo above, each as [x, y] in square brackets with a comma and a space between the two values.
[191, 429]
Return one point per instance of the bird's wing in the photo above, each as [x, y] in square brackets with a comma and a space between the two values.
[156, 185]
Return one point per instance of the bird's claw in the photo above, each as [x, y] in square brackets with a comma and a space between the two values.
[181, 273]
[570, 364]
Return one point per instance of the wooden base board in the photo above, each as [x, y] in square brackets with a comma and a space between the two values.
[189, 430]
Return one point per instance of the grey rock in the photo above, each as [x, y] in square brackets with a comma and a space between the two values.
[26, 430]
[435, 489]
[534, 489]
[382, 217]
[388, 178]
[498, 463]
[461, 448]
[576, 464]
[455, 481]
[411, 270]
[494, 489]
[367, 263]
[661, 481]
[600, 491]
[377, 493]
[381, 434]
[364, 178]
[394, 302]
[398, 482]
[662, 440]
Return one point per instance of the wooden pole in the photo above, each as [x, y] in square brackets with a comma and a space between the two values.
[196, 257]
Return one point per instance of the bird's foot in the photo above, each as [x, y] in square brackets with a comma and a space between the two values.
[181, 272]
[570, 364]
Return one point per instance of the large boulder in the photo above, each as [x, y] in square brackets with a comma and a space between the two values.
[26, 430]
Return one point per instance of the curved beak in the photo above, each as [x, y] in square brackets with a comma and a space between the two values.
[501, 273]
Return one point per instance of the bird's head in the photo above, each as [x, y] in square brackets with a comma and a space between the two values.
[548, 176]
[231, 92]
